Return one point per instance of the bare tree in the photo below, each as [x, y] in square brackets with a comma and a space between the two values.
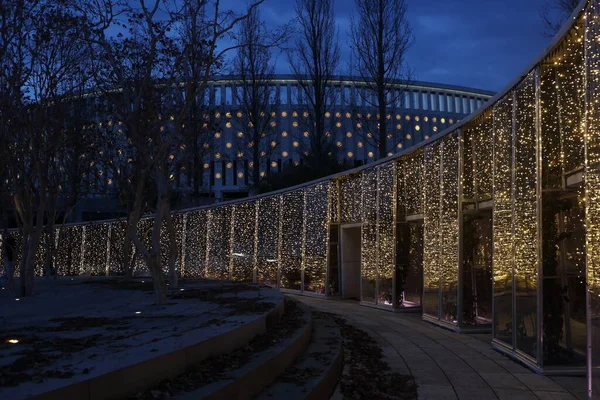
[380, 36]
[555, 14]
[255, 95]
[314, 62]
[43, 69]
[139, 73]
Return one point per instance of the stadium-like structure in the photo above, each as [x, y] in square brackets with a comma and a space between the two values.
[420, 111]
[490, 224]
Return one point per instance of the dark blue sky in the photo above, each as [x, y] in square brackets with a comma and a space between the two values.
[478, 43]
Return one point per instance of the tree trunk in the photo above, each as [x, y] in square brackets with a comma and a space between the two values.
[158, 279]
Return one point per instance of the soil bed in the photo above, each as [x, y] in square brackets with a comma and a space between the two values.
[366, 375]
[218, 367]
[76, 328]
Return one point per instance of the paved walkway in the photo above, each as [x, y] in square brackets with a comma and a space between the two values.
[447, 365]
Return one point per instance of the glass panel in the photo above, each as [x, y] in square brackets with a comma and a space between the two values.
[242, 245]
[268, 241]
[195, 244]
[350, 199]
[449, 228]
[477, 269]
[386, 187]
[292, 227]
[44, 255]
[525, 218]
[432, 240]
[96, 249]
[412, 172]
[144, 232]
[117, 248]
[334, 263]
[413, 286]
[219, 243]
[483, 157]
[165, 243]
[468, 178]
[409, 264]
[564, 280]
[68, 254]
[335, 201]
[369, 235]
[502, 222]
[592, 187]
[316, 242]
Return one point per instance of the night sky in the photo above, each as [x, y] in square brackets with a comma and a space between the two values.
[478, 43]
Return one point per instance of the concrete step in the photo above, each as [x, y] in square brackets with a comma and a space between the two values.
[261, 369]
[315, 374]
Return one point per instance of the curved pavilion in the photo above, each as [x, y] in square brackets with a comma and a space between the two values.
[491, 224]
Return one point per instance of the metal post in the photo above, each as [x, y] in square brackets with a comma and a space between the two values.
[539, 189]
[460, 295]
[512, 222]
[588, 39]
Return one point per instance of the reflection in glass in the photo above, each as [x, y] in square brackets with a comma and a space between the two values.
[477, 269]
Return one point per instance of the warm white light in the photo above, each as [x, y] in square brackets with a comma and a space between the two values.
[13, 341]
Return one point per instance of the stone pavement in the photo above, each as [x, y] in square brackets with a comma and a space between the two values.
[447, 365]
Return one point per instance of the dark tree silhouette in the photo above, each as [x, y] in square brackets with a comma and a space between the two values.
[380, 36]
[314, 61]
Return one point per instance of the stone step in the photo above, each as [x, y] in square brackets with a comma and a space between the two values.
[315, 374]
[261, 369]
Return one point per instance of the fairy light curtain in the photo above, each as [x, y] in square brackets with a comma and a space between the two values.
[267, 240]
[316, 243]
[291, 239]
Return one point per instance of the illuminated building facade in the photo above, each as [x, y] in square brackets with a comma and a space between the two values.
[420, 111]
[492, 224]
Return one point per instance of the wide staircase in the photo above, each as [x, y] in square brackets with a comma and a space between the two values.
[298, 357]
